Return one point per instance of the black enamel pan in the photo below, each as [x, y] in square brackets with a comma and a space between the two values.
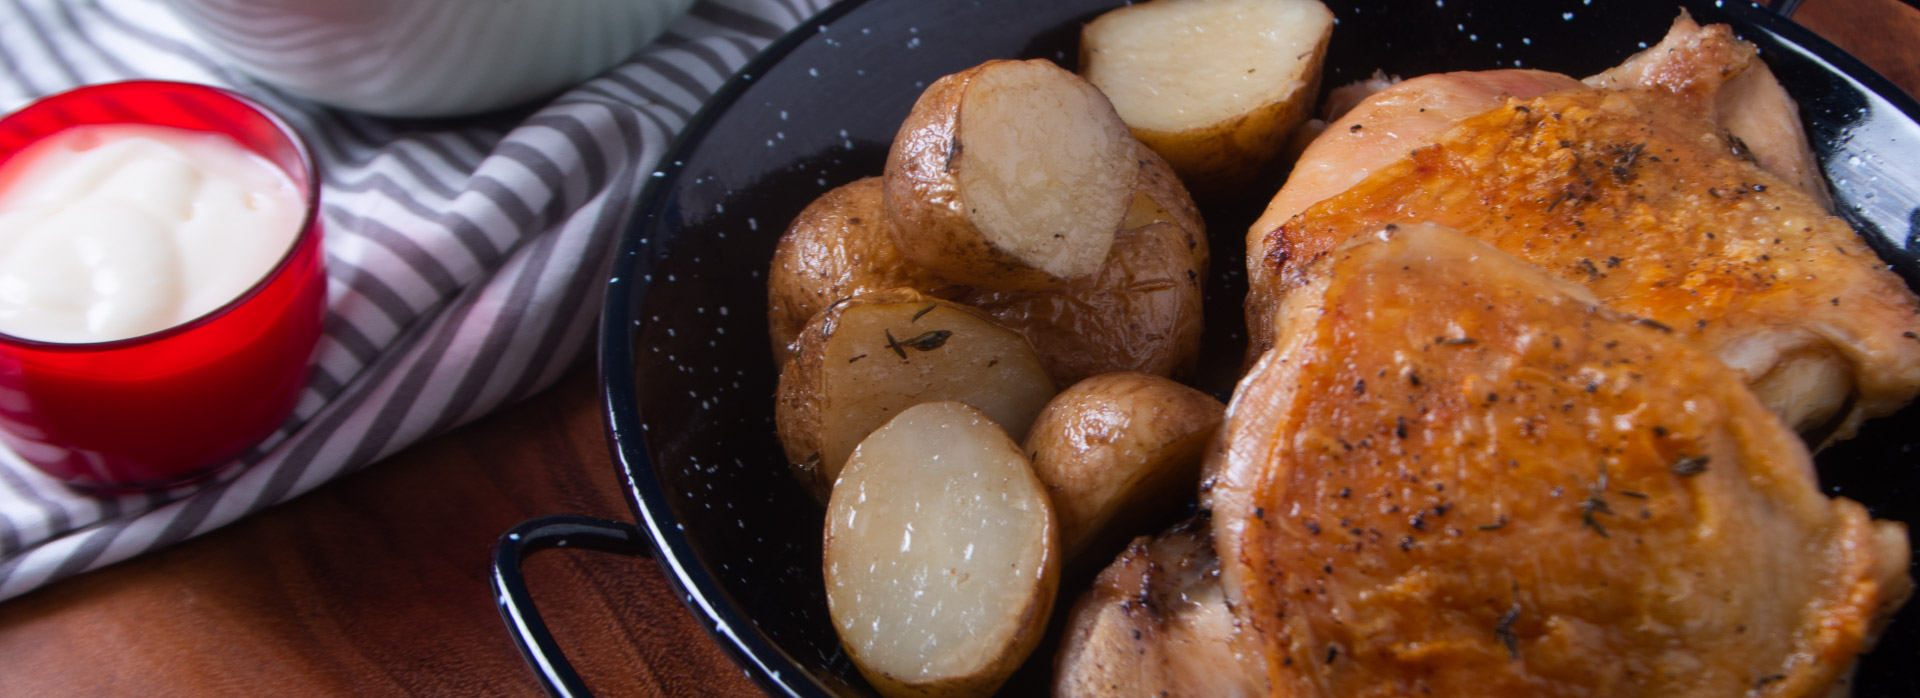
[687, 379]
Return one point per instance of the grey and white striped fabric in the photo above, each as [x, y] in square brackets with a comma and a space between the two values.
[464, 258]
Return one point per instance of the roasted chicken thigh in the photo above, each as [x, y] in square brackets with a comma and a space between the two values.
[1456, 474]
[1640, 190]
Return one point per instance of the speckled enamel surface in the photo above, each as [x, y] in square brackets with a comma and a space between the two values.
[685, 350]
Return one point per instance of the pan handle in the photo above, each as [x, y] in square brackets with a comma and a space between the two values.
[1784, 8]
[529, 632]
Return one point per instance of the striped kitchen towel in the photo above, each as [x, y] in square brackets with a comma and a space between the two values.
[464, 258]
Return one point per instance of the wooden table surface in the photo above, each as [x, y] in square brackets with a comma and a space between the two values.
[376, 584]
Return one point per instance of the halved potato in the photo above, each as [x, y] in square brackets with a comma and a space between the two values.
[1120, 451]
[1012, 175]
[862, 361]
[1212, 85]
[1141, 312]
[1135, 314]
[941, 554]
[838, 247]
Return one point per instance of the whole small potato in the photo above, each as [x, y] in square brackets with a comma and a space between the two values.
[1010, 176]
[838, 247]
[863, 360]
[1141, 312]
[1159, 196]
[1119, 451]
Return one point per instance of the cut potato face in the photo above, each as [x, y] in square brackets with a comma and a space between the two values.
[1168, 64]
[1118, 451]
[940, 554]
[1212, 85]
[838, 247]
[1030, 166]
[1012, 175]
[1140, 312]
[862, 361]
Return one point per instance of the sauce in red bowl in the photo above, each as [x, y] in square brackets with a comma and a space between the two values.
[172, 405]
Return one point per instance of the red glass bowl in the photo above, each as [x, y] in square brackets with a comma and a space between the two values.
[175, 405]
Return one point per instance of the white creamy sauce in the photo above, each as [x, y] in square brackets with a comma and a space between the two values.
[117, 230]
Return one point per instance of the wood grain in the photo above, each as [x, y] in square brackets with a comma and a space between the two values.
[1881, 33]
[376, 584]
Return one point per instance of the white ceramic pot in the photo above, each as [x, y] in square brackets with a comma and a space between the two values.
[427, 57]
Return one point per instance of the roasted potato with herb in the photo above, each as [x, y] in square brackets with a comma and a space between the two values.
[1141, 312]
[1160, 196]
[1213, 85]
[1118, 451]
[838, 247]
[865, 359]
[1010, 176]
[942, 554]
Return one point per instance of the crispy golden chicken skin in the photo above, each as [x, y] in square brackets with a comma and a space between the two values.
[1457, 475]
[1648, 206]
[1722, 78]
[1389, 123]
[1638, 191]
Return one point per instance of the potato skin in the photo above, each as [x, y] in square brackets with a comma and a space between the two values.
[804, 393]
[799, 398]
[1229, 156]
[1118, 450]
[1121, 320]
[1141, 312]
[923, 198]
[1171, 203]
[840, 246]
